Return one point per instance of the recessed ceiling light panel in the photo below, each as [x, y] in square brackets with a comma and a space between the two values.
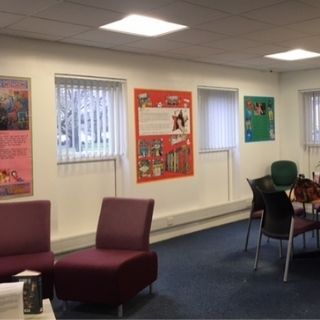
[291, 55]
[143, 26]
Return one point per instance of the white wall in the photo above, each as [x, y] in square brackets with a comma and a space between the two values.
[291, 144]
[76, 190]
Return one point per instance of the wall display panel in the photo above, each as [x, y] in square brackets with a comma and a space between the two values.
[164, 146]
[15, 137]
[259, 118]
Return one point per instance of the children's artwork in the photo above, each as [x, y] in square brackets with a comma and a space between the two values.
[259, 118]
[163, 134]
[15, 137]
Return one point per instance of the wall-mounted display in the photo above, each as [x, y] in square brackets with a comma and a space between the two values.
[259, 118]
[163, 134]
[15, 137]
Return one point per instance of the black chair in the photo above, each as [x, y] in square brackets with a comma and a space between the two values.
[279, 222]
[257, 204]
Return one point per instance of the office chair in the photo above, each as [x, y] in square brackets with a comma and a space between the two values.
[279, 222]
[257, 204]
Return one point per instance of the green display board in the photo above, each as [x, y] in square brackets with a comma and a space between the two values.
[259, 118]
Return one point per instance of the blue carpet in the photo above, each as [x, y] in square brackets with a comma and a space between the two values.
[207, 275]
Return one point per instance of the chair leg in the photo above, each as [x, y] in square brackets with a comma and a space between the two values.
[120, 311]
[150, 288]
[317, 230]
[248, 232]
[304, 240]
[258, 246]
[65, 305]
[286, 270]
[280, 248]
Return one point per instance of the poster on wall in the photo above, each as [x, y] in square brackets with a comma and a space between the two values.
[163, 134]
[15, 137]
[259, 118]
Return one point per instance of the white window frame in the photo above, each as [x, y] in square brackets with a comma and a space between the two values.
[95, 128]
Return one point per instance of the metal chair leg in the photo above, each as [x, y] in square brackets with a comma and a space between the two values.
[258, 246]
[280, 248]
[120, 311]
[286, 270]
[248, 232]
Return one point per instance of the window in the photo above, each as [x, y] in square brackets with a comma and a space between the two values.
[311, 108]
[217, 119]
[90, 118]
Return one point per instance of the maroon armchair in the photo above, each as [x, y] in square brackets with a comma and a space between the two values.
[120, 265]
[25, 241]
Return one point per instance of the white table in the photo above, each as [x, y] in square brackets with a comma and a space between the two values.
[47, 313]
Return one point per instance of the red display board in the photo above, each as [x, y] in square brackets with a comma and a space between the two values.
[163, 134]
[15, 137]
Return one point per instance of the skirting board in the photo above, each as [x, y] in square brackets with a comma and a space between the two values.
[166, 227]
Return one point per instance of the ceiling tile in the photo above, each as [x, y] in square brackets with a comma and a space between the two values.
[230, 32]
[48, 27]
[196, 51]
[125, 6]
[78, 14]
[275, 35]
[315, 3]
[32, 35]
[186, 13]
[8, 18]
[234, 43]
[25, 7]
[105, 37]
[194, 36]
[311, 27]
[266, 49]
[307, 43]
[235, 6]
[234, 25]
[285, 13]
[157, 44]
[234, 56]
[128, 48]
[86, 43]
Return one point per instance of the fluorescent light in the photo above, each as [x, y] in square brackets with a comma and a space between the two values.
[144, 26]
[291, 55]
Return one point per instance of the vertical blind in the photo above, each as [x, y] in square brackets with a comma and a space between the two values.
[217, 119]
[311, 108]
[90, 118]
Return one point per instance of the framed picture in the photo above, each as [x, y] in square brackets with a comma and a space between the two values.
[15, 137]
[259, 118]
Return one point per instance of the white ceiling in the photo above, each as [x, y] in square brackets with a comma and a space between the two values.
[226, 32]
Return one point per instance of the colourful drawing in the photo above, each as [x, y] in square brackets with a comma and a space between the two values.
[259, 119]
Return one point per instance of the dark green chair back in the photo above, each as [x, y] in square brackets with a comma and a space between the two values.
[284, 173]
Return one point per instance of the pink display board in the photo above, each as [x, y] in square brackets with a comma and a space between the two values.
[15, 137]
